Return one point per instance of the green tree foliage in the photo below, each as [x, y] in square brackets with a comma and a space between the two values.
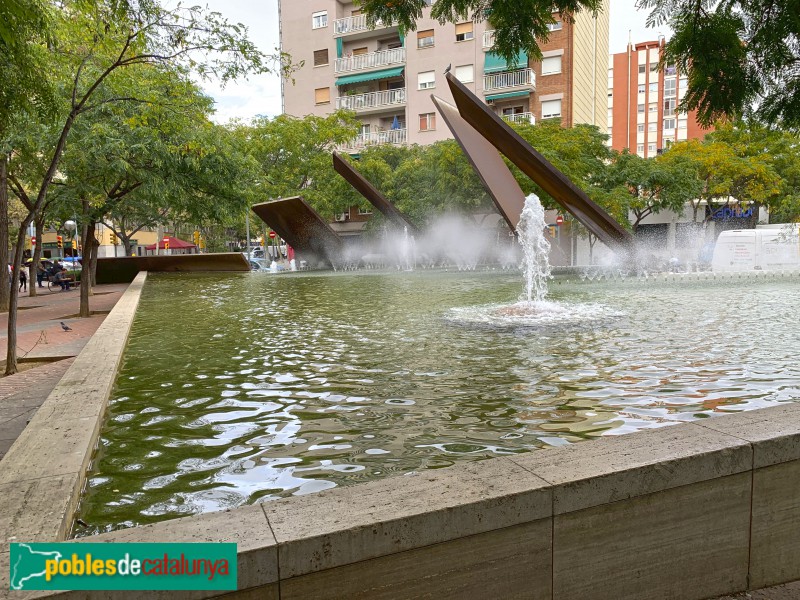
[739, 55]
[518, 24]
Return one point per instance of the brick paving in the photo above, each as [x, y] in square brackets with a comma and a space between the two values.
[41, 338]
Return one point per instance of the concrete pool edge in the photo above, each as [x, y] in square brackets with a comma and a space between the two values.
[42, 474]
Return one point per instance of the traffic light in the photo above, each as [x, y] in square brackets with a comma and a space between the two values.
[113, 239]
[196, 237]
[166, 243]
[202, 243]
[59, 241]
[74, 244]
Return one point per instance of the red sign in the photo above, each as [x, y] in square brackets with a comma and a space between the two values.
[272, 234]
[559, 220]
[33, 241]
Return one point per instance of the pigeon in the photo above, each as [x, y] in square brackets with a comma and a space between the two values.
[447, 70]
[65, 327]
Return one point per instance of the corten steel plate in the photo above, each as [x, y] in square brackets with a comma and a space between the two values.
[488, 164]
[371, 193]
[303, 229]
[536, 166]
[123, 269]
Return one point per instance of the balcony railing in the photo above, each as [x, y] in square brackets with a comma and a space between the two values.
[520, 118]
[378, 138]
[354, 25]
[509, 79]
[372, 100]
[371, 60]
[488, 38]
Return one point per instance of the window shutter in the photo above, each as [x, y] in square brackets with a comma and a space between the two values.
[320, 57]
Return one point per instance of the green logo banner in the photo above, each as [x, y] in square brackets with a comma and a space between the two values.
[93, 566]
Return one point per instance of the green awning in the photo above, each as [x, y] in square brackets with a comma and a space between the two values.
[494, 63]
[371, 76]
[507, 95]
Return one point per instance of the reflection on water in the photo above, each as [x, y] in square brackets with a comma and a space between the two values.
[242, 388]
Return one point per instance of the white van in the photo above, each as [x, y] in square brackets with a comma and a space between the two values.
[763, 249]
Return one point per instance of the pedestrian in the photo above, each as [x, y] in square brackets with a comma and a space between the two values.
[40, 274]
[23, 279]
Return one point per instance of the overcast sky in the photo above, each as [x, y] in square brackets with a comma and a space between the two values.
[262, 95]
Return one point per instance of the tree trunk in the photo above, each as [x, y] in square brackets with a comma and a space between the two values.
[93, 263]
[11, 353]
[4, 290]
[87, 244]
[33, 280]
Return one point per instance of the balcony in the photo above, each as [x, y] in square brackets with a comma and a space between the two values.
[395, 137]
[371, 60]
[356, 24]
[520, 118]
[521, 78]
[372, 100]
[488, 39]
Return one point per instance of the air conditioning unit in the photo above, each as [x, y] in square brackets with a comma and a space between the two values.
[341, 217]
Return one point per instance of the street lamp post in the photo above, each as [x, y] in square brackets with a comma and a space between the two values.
[72, 227]
[247, 227]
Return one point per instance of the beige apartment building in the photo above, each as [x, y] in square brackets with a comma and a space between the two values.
[388, 78]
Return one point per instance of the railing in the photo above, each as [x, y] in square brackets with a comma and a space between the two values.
[488, 38]
[371, 60]
[354, 24]
[520, 118]
[372, 100]
[392, 136]
[509, 79]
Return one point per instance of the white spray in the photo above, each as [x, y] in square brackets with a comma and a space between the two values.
[535, 249]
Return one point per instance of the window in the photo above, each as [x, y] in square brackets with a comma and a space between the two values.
[654, 87]
[669, 124]
[357, 12]
[642, 88]
[640, 128]
[322, 95]
[464, 32]
[669, 88]
[651, 126]
[465, 73]
[427, 122]
[640, 108]
[654, 67]
[551, 65]
[651, 148]
[681, 123]
[653, 107]
[513, 110]
[640, 148]
[642, 68]
[319, 19]
[551, 109]
[364, 129]
[364, 211]
[555, 26]
[360, 51]
[669, 107]
[426, 80]
[425, 38]
[320, 57]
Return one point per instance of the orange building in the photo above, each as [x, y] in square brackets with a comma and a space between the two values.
[643, 99]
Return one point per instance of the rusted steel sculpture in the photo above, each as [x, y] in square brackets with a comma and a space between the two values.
[303, 229]
[535, 166]
[488, 164]
[371, 193]
[123, 269]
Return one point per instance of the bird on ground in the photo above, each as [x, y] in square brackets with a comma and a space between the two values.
[65, 327]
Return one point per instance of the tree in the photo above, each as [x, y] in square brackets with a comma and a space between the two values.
[740, 56]
[518, 24]
[99, 45]
[652, 185]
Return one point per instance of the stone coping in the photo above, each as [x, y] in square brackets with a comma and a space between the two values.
[42, 474]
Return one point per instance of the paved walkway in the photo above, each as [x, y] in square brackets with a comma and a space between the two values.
[790, 591]
[41, 339]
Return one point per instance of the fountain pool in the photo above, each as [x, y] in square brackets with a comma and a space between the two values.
[243, 388]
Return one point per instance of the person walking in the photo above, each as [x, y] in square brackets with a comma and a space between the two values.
[40, 274]
[23, 279]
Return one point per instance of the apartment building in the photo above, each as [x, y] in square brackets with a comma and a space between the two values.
[642, 101]
[387, 78]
